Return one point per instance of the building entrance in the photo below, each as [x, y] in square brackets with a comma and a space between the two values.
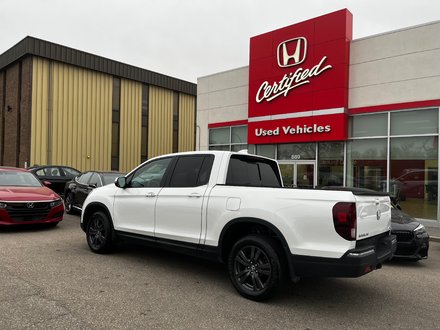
[298, 174]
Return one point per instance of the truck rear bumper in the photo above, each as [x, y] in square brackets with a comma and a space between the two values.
[368, 255]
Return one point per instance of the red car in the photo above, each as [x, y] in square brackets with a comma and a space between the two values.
[24, 200]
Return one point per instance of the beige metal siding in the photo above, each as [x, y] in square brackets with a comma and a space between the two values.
[187, 111]
[40, 105]
[160, 126]
[130, 125]
[77, 109]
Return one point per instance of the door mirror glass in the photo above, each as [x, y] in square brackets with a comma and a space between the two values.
[120, 182]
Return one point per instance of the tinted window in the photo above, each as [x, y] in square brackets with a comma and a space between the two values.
[84, 178]
[151, 174]
[205, 171]
[250, 171]
[268, 175]
[71, 172]
[109, 178]
[94, 180]
[49, 171]
[186, 172]
[40, 172]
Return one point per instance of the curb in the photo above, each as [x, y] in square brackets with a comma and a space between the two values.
[434, 239]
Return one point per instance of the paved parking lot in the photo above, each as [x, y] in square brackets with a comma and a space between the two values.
[50, 280]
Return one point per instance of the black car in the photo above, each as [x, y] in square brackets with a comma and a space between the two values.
[57, 175]
[76, 190]
[412, 238]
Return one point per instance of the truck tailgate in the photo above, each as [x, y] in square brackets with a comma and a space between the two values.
[373, 215]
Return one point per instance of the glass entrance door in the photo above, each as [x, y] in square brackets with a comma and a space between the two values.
[299, 174]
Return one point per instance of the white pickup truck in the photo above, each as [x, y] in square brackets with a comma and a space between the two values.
[232, 207]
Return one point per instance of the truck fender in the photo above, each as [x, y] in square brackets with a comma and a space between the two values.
[267, 225]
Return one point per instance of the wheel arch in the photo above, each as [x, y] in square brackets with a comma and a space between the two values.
[92, 208]
[240, 227]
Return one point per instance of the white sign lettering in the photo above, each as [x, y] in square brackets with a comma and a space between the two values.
[288, 82]
[289, 130]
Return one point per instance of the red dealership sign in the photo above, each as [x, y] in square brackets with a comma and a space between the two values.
[298, 81]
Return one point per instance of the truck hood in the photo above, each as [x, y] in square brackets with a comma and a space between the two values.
[22, 194]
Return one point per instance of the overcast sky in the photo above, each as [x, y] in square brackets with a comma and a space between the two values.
[188, 39]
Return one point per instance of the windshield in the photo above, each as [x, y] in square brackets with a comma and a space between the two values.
[20, 179]
[108, 178]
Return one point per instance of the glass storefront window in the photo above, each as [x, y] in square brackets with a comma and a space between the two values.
[219, 135]
[232, 138]
[369, 125]
[221, 148]
[297, 151]
[414, 174]
[266, 150]
[238, 147]
[331, 164]
[367, 164]
[239, 134]
[414, 122]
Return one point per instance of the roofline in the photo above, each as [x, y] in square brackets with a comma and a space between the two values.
[380, 34]
[52, 51]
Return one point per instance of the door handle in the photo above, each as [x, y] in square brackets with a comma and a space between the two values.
[194, 195]
[150, 194]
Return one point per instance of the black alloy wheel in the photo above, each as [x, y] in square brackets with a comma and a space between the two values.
[68, 201]
[255, 267]
[99, 233]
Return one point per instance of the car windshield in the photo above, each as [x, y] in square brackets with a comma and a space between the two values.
[108, 178]
[21, 179]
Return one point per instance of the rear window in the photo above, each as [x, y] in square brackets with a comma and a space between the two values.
[252, 171]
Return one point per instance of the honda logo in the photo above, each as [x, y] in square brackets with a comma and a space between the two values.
[378, 214]
[30, 205]
[292, 52]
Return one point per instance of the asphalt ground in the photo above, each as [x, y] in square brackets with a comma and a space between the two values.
[51, 280]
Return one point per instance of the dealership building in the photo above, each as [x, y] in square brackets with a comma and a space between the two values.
[64, 106]
[333, 110]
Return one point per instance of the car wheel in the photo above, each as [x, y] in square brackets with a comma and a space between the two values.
[68, 201]
[254, 267]
[99, 233]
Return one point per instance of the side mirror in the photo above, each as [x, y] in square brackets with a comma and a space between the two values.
[121, 182]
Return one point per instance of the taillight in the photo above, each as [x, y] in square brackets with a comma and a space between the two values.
[344, 220]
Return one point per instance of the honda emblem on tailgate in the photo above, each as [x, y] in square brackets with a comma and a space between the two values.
[292, 52]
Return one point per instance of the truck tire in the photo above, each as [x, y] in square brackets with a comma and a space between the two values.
[99, 233]
[255, 267]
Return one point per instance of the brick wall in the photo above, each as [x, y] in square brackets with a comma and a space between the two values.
[26, 114]
[16, 119]
[11, 116]
[2, 106]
